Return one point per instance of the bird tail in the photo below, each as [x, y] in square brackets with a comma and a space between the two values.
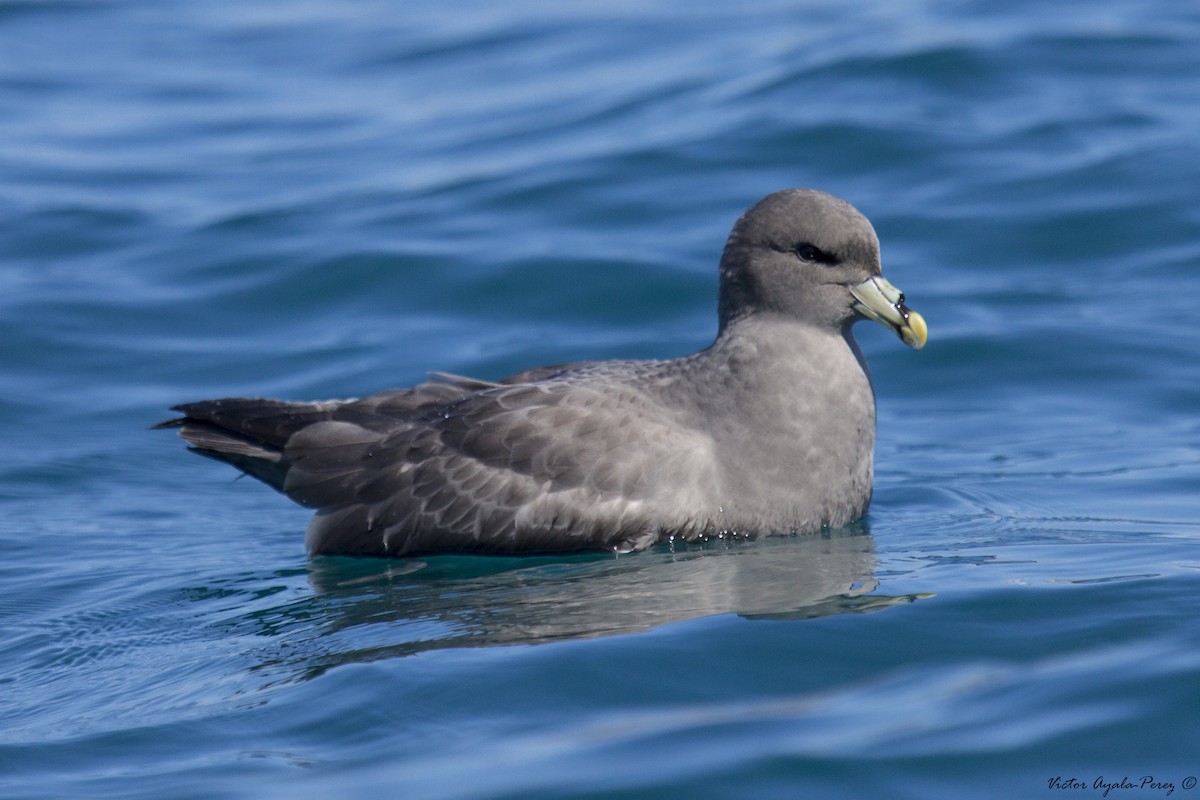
[249, 433]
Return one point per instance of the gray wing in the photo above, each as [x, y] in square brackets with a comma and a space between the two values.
[538, 467]
[252, 433]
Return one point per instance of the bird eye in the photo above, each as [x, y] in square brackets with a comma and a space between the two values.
[811, 254]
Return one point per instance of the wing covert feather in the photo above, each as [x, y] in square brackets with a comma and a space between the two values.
[501, 469]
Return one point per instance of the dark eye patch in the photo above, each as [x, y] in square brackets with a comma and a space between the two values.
[813, 254]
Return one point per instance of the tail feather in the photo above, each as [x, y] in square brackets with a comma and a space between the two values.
[250, 434]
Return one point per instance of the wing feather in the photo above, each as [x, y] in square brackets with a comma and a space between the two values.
[506, 468]
[545, 460]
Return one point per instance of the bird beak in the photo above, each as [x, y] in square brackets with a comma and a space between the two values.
[884, 303]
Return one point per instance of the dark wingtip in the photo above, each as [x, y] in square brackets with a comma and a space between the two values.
[174, 422]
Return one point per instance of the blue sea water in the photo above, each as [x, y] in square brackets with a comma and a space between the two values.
[324, 198]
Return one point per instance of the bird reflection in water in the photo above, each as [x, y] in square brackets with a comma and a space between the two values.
[407, 607]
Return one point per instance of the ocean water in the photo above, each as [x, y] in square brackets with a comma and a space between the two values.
[323, 198]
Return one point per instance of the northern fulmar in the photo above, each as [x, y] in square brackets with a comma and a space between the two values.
[768, 430]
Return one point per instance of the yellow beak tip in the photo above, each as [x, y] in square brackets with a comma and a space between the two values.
[914, 332]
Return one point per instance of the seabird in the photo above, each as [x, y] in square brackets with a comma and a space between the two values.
[768, 430]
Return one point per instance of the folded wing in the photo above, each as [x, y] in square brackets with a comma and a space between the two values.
[461, 465]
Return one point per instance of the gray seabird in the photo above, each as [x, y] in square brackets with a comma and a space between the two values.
[770, 429]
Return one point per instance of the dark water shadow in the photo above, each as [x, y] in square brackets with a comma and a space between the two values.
[370, 609]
